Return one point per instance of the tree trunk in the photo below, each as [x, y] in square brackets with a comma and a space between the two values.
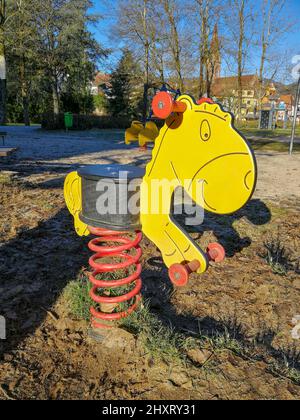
[2, 63]
[240, 55]
[2, 86]
[146, 52]
[201, 78]
[267, 16]
[26, 115]
[145, 101]
[174, 43]
[203, 47]
[24, 93]
[209, 78]
[55, 98]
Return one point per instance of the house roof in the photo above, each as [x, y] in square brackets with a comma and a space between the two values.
[101, 79]
[224, 85]
[287, 99]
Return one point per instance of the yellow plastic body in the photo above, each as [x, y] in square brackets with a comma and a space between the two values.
[72, 194]
[132, 133]
[201, 151]
[143, 135]
[148, 134]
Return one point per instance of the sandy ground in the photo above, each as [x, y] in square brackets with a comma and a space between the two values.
[243, 307]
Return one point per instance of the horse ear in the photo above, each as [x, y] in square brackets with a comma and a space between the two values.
[188, 100]
[205, 101]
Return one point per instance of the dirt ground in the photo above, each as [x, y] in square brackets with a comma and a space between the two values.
[236, 320]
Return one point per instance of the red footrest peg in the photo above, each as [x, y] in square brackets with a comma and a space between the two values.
[179, 273]
[215, 252]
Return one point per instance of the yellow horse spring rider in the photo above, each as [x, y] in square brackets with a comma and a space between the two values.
[198, 150]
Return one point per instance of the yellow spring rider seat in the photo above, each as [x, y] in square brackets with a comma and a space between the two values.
[143, 135]
[132, 133]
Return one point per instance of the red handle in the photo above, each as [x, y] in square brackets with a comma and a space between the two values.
[179, 273]
[163, 105]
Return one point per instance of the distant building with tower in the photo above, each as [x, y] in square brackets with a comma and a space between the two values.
[226, 90]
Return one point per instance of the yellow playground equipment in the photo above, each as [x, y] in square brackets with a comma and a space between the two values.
[198, 150]
[132, 133]
[141, 134]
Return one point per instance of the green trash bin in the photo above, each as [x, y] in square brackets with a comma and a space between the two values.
[68, 120]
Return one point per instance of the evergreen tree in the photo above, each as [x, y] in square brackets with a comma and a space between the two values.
[51, 56]
[126, 88]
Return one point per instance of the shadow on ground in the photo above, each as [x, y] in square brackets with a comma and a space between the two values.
[34, 269]
[256, 212]
[25, 169]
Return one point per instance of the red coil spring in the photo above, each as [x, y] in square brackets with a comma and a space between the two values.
[129, 260]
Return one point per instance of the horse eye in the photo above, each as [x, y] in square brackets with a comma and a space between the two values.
[205, 130]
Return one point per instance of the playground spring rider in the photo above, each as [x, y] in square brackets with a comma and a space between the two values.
[198, 145]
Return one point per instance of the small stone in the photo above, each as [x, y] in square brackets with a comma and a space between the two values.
[179, 378]
[8, 357]
[108, 308]
[199, 356]
[118, 338]
[296, 284]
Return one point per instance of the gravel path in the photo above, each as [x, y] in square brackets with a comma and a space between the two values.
[46, 155]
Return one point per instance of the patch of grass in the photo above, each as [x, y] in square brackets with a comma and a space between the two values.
[283, 370]
[160, 341]
[77, 295]
[163, 342]
[272, 145]
[279, 132]
[5, 179]
[276, 256]
[224, 341]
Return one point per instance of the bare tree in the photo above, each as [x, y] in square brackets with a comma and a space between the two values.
[274, 25]
[171, 10]
[207, 12]
[145, 12]
[239, 19]
[135, 26]
[203, 8]
[240, 4]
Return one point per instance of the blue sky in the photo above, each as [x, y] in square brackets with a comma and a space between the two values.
[290, 45]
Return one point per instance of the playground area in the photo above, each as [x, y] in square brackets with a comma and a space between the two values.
[227, 335]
